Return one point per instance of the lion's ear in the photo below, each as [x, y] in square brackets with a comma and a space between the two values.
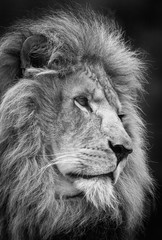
[34, 52]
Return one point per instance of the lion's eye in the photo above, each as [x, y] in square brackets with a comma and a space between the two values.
[82, 101]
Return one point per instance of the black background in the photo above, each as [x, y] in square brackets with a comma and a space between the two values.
[141, 21]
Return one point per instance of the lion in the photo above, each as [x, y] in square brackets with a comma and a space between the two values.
[72, 140]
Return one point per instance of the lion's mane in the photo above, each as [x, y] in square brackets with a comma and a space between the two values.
[29, 208]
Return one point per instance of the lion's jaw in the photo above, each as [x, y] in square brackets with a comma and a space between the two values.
[98, 190]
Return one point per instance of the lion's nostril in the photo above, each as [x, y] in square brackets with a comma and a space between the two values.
[120, 151]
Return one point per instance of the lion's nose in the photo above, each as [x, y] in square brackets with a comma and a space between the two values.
[120, 151]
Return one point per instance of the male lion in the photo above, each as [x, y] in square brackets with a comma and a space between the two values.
[72, 149]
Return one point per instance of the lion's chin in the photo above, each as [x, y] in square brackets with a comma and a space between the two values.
[97, 191]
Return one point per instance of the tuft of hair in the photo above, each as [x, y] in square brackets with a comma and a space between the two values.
[28, 205]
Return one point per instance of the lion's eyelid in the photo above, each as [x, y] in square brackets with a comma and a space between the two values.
[80, 107]
[86, 109]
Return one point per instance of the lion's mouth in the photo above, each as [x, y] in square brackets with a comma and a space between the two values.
[86, 176]
[79, 195]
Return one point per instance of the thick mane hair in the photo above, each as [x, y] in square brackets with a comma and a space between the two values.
[28, 206]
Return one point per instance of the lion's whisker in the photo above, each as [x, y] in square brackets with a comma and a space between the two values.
[59, 154]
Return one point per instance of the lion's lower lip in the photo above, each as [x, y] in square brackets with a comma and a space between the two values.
[86, 176]
[79, 195]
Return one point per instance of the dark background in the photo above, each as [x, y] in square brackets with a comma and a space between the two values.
[141, 21]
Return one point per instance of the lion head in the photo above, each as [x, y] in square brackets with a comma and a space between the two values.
[72, 149]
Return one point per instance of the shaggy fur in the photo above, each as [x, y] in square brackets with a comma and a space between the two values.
[29, 124]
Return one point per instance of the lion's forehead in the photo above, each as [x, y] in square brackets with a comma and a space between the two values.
[93, 81]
